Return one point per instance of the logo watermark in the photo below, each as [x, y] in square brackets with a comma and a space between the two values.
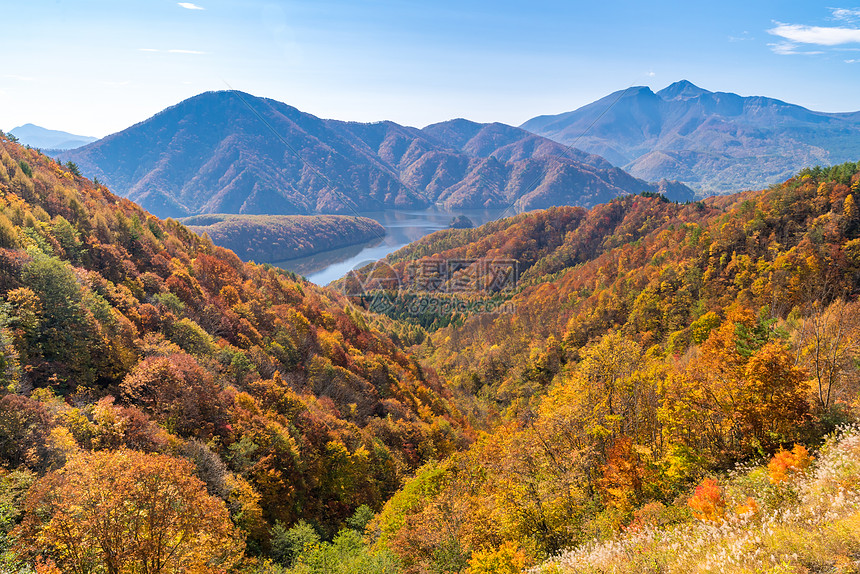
[436, 286]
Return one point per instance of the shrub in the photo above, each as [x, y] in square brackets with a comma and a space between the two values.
[708, 503]
[25, 167]
[786, 463]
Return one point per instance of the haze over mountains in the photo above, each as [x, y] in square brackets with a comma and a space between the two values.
[42, 138]
[715, 142]
[228, 152]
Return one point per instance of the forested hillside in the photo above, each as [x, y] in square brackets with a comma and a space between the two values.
[275, 238]
[167, 408]
[645, 347]
[143, 366]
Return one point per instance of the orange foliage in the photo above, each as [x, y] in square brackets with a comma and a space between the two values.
[622, 475]
[127, 512]
[749, 507]
[707, 502]
[786, 463]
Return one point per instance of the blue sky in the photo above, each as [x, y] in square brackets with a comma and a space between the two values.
[94, 67]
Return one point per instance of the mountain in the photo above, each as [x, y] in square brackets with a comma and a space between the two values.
[639, 264]
[714, 142]
[163, 403]
[120, 331]
[229, 152]
[627, 358]
[276, 238]
[38, 137]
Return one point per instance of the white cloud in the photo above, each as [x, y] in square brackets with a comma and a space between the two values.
[17, 77]
[783, 48]
[849, 14]
[746, 36]
[819, 35]
[790, 49]
[190, 6]
[852, 61]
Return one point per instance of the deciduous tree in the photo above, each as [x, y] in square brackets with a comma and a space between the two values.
[126, 512]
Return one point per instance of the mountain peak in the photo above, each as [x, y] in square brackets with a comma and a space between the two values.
[43, 138]
[681, 90]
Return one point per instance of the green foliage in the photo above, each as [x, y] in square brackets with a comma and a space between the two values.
[191, 338]
[289, 544]
[345, 554]
[702, 327]
[67, 237]
[13, 490]
[170, 301]
[65, 329]
[25, 167]
[362, 517]
[655, 195]
[73, 168]
[10, 365]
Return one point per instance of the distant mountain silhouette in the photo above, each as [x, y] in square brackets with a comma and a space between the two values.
[230, 152]
[42, 138]
[712, 141]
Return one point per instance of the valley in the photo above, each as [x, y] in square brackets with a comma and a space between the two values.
[641, 349]
[292, 345]
[429, 287]
[401, 228]
[273, 238]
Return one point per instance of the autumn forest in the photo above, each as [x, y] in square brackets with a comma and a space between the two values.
[652, 387]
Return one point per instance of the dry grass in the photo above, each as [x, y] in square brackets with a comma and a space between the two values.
[808, 524]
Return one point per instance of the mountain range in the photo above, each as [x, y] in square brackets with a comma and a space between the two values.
[230, 152]
[561, 383]
[42, 138]
[715, 142]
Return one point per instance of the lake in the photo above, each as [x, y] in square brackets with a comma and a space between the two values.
[402, 227]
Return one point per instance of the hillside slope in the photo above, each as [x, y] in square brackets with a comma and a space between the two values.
[641, 347]
[715, 142]
[229, 152]
[276, 238]
[120, 330]
[640, 264]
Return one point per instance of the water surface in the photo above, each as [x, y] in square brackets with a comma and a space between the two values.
[402, 227]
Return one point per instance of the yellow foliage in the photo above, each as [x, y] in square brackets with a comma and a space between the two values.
[248, 513]
[507, 559]
[749, 507]
[62, 440]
